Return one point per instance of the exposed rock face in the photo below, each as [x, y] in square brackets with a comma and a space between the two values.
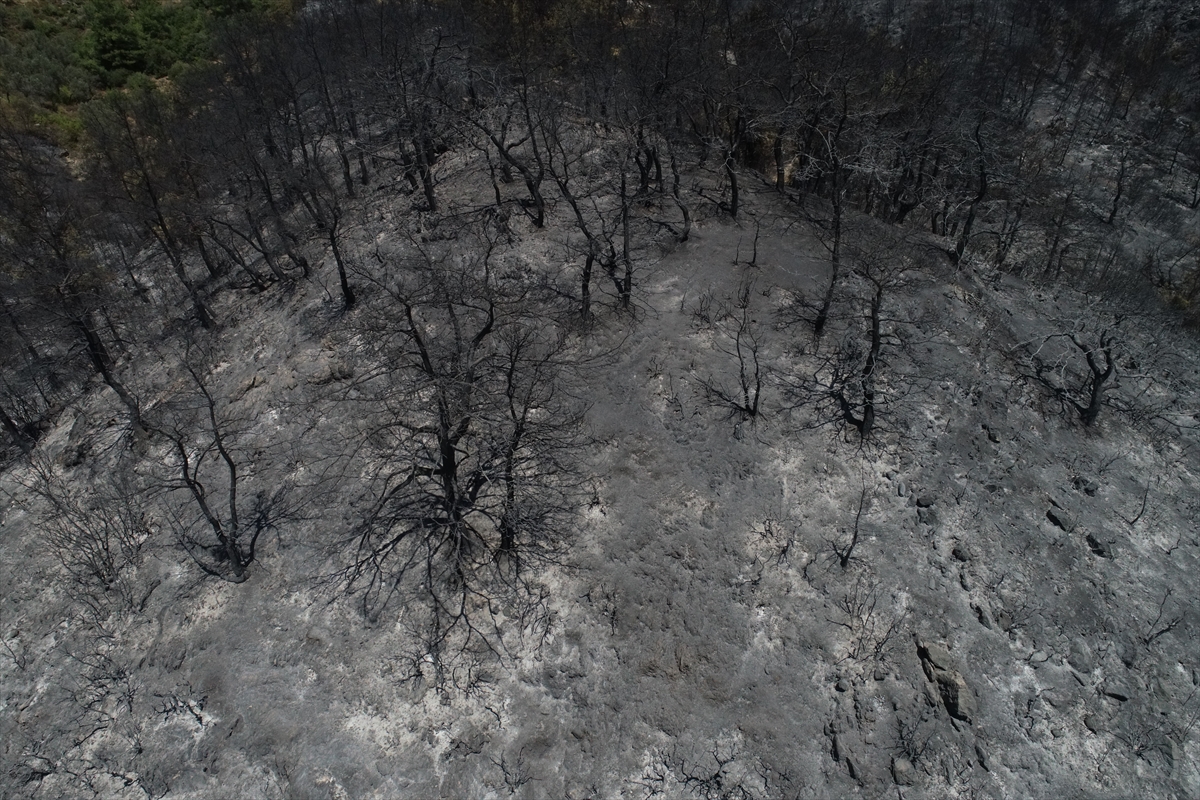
[1061, 519]
[1080, 656]
[903, 772]
[939, 668]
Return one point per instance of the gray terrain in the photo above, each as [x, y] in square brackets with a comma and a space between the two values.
[1016, 618]
[705, 491]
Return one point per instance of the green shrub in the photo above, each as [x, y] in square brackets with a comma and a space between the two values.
[147, 37]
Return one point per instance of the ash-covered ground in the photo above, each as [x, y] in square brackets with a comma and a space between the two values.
[983, 598]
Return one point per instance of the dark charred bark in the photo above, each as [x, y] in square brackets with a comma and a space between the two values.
[731, 174]
[103, 362]
[835, 263]
[625, 285]
[780, 183]
[675, 194]
[1101, 367]
[964, 238]
[18, 435]
[343, 280]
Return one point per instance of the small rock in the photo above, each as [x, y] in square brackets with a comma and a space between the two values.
[246, 386]
[902, 489]
[929, 516]
[1094, 723]
[31, 771]
[843, 685]
[1080, 656]
[982, 615]
[951, 686]
[935, 654]
[1128, 652]
[1172, 753]
[960, 552]
[1086, 485]
[982, 754]
[925, 501]
[318, 635]
[1056, 698]
[1100, 547]
[902, 772]
[1061, 519]
[330, 372]
[851, 768]
[956, 695]
[1117, 691]
[880, 675]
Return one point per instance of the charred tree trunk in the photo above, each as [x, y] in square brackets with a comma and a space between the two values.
[18, 435]
[102, 361]
[625, 287]
[780, 182]
[731, 173]
[1116, 202]
[424, 152]
[835, 261]
[343, 280]
[585, 284]
[683, 209]
[871, 364]
[1098, 379]
[964, 238]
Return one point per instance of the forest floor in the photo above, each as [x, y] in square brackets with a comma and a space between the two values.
[1017, 617]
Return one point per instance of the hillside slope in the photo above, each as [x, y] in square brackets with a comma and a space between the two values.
[985, 598]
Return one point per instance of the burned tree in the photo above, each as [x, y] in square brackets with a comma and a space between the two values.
[1100, 369]
[878, 278]
[845, 387]
[467, 481]
[740, 338]
[509, 119]
[603, 224]
[221, 512]
[1058, 370]
[140, 156]
[56, 290]
[96, 530]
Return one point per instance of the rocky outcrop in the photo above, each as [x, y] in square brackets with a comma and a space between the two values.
[940, 670]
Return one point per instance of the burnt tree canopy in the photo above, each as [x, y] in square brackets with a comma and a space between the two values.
[468, 441]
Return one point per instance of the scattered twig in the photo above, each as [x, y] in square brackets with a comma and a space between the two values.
[1155, 630]
[1141, 511]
